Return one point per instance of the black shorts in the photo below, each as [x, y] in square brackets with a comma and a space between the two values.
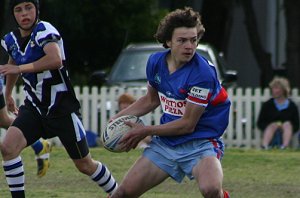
[2, 101]
[68, 128]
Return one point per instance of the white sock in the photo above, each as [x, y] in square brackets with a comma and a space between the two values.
[14, 172]
[104, 179]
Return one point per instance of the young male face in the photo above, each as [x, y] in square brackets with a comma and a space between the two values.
[25, 15]
[183, 44]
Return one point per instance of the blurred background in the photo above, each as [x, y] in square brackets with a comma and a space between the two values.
[258, 38]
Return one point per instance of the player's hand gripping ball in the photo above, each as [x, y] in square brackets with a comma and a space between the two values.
[115, 130]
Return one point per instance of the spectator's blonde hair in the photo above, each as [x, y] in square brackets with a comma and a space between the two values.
[283, 83]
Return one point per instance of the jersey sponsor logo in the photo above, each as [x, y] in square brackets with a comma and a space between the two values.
[157, 79]
[200, 93]
[172, 106]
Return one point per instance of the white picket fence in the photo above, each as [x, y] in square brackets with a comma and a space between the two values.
[99, 104]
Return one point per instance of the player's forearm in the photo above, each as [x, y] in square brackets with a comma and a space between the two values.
[51, 60]
[174, 128]
[181, 126]
[45, 63]
[10, 83]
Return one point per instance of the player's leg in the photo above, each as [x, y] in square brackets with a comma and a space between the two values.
[73, 137]
[42, 149]
[98, 172]
[287, 133]
[151, 169]
[208, 171]
[12, 145]
[268, 134]
[18, 136]
[5, 119]
[143, 176]
[209, 176]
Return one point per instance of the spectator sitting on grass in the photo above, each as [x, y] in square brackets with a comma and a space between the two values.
[279, 114]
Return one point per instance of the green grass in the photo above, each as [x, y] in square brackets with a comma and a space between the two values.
[247, 174]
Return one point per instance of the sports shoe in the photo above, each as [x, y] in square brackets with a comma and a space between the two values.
[282, 147]
[265, 147]
[43, 158]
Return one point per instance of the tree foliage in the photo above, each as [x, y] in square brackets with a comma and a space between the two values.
[94, 32]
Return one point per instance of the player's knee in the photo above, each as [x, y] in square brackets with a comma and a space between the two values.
[123, 192]
[6, 149]
[2, 125]
[211, 192]
[85, 166]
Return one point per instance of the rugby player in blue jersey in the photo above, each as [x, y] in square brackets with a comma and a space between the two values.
[188, 141]
[50, 108]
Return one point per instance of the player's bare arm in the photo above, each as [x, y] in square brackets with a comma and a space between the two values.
[52, 60]
[9, 100]
[186, 124]
[11, 80]
[10, 66]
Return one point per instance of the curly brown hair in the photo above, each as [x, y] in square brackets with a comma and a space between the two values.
[186, 17]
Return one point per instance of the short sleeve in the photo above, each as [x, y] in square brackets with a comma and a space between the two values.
[46, 33]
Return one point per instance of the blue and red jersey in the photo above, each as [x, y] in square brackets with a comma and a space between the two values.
[195, 82]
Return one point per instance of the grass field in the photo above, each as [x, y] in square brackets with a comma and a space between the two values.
[247, 174]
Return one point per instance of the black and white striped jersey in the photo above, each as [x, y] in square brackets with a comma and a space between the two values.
[50, 91]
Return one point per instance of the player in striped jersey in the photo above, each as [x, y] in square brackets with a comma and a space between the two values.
[50, 108]
[195, 108]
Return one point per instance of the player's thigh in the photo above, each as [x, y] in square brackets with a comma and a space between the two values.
[208, 173]
[13, 143]
[30, 123]
[143, 176]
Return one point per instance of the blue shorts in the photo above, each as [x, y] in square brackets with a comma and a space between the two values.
[179, 161]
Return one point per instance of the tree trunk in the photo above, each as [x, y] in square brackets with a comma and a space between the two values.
[262, 57]
[292, 13]
[217, 20]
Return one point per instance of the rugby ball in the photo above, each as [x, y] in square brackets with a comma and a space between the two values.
[115, 130]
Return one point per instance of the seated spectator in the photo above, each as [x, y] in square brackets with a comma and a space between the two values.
[279, 114]
[123, 102]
